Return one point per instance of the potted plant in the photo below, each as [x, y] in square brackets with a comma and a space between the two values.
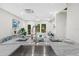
[22, 32]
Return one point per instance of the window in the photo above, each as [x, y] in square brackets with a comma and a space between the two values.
[29, 29]
[43, 28]
[38, 28]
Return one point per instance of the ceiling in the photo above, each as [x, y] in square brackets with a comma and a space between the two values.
[43, 11]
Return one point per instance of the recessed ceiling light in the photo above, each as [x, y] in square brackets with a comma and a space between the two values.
[51, 13]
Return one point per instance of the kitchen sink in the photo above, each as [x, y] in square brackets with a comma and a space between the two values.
[34, 50]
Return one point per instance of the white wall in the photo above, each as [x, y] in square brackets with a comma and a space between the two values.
[61, 25]
[6, 23]
[73, 22]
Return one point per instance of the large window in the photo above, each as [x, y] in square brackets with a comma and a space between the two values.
[41, 28]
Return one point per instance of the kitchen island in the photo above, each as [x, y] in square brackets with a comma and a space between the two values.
[60, 48]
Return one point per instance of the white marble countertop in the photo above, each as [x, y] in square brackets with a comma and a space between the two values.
[10, 46]
[6, 50]
[64, 49]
